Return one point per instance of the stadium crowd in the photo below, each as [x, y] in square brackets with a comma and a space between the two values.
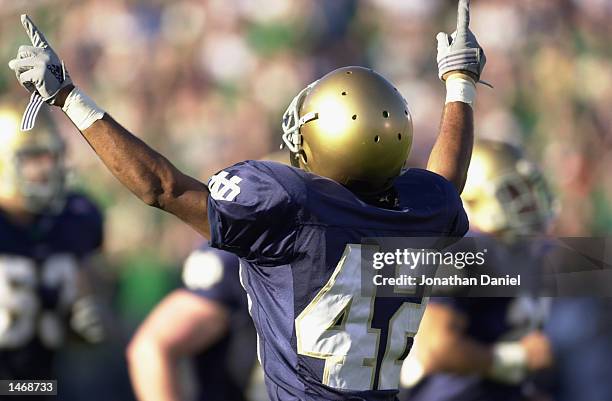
[206, 83]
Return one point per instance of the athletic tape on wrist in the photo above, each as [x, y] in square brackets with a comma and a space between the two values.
[460, 88]
[81, 109]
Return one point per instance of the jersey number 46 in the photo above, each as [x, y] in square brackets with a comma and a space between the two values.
[337, 326]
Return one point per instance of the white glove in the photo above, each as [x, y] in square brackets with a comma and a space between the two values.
[460, 51]
[42, 73]
[39, 70]
[87, 320]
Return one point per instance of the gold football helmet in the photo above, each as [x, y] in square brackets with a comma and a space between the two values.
[505, 193]
[352, 126]
[32, 169]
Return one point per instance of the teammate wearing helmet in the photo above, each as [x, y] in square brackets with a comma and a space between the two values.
[505, 193]
[299, 230]
[46, 236]
[470, 349]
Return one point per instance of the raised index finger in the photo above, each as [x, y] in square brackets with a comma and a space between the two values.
[463, 16]
[36, 36]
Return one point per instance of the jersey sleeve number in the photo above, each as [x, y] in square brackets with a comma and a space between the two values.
[337, 326]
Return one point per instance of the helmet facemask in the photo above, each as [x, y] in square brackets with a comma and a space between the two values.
[505, 194]
[40, 179]
[291, 124]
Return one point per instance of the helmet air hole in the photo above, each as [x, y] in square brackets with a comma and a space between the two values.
[349, 72]
[399, 136]
[354, 116]
[406, 112]
[377, 139]
[385, 114]
[343, 93]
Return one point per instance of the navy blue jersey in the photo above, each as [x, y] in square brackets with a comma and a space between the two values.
[38, 268]
[223, 369]
[299, 237]
[580, 333]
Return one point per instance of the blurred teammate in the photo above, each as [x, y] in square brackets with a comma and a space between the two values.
[299, 229]
[208, 320]
[470, 349]
[47, 235]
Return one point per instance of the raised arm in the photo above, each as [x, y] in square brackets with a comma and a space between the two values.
[145, 172]
[451, 154]
[460, 63]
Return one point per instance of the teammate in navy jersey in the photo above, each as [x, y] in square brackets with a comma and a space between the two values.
[46, 236]
[299, 229]
[207, 321]
[471, 349]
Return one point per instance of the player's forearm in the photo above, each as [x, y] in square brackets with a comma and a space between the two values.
[459, 355]
[450, 156]
[140, 168]
[153, 373]
[441, 344]
[145, 172]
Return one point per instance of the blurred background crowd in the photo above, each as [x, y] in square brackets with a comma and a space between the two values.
[206, 83]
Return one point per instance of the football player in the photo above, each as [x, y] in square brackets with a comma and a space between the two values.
[47, 235]
[208, 320]
[298, 229]
[470, 349]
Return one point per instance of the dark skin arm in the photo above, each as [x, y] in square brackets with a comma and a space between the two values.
[451, 154]
[442, 346]
[145, 172]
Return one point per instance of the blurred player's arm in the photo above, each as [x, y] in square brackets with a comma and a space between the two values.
[146, 173]
[460, 63]
[182, 325]
[86, 315]
[442, 345]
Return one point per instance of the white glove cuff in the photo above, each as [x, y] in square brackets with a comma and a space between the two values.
[81, 109]
[509, 362]
[460, 88]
